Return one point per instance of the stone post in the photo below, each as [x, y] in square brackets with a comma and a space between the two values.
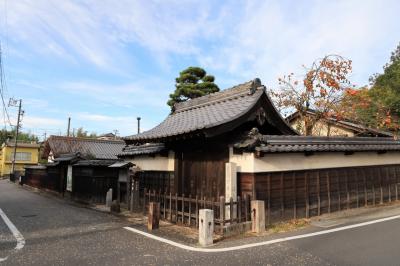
[153, 219]
[206, 227]
[230, 187]
[109, 197]
[257, 216]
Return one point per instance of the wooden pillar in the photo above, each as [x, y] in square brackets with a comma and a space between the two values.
[389, 183]
[339, 192]
[306, 194]
[357, 199]
[365, 186]
[282, 195]
[328, 187]
[176, 207]
[396, 182]
[380, 185]
[347, 189]
[373, 190]
[190, 210]
[294, 195]
[153, 220]
[269, 199]
[197, 210]
[183, 209]
[319, 192]
[222, 213]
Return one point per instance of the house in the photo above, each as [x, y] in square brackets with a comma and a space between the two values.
[27, 154]
[189, 149]
[235, 143]
[335, 127]
[80, 167]
[108, 136]
[55, 146]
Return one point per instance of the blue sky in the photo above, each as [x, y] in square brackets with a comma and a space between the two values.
[104, 63]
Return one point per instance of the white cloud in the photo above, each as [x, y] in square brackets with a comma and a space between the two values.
[99, 31]
[142, 93]
[42, 122]
[273, 38]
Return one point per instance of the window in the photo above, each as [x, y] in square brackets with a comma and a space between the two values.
[20, 156]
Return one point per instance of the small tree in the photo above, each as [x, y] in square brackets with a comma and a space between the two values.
[379, 105]
[321, 90]
[81, 133]
[192, 82]
[22, 136]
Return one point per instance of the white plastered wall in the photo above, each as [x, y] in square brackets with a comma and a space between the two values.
[155, 163]
[274, 162]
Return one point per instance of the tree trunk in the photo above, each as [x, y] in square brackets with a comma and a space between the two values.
[308, 126]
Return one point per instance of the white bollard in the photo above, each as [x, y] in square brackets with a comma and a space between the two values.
[206, 227]
[109, 197]
[257, 216]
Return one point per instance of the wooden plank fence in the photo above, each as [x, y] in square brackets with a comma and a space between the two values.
[184, 210]
[307, 193]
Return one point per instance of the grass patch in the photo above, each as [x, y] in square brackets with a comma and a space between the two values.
[287, 226]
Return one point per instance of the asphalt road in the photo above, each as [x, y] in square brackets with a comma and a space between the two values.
[59, 233]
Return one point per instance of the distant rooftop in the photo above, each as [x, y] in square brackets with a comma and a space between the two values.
[87, 147]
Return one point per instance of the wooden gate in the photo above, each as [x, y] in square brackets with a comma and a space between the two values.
[202, 172]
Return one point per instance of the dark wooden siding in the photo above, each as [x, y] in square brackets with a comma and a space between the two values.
[90, 184]
[245, 184]
[156, 180]
[202, 172]
[307, 193]
[44, 178]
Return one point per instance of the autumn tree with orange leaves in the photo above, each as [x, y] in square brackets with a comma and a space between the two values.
[378, 106]
[320, 89]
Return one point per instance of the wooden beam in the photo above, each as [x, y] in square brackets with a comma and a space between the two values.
[328, 187]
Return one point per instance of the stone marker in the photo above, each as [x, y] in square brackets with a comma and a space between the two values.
[153, 220]
[230, 188]
[109, 197]
[206, 227]
[257, 216]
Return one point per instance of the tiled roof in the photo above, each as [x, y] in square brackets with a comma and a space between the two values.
[68, 157]
[89, 148]
[148, 148]
[210, 111]
[22, 144]
[95, 163]
[278, 144]
[358, 128]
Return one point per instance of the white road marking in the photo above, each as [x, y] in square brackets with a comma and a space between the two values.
[263, 243]
[18, 236]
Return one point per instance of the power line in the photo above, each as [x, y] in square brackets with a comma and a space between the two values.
[3, 87]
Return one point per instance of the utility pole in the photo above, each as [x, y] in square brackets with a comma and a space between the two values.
[14, 102]
[138, 124]
[69, 125]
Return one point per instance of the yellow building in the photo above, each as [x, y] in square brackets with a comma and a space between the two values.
[27, 154]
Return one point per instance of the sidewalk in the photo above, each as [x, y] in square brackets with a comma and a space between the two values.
[189, 235]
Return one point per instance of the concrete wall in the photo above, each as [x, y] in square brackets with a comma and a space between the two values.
[274, 162]
[155, 163]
